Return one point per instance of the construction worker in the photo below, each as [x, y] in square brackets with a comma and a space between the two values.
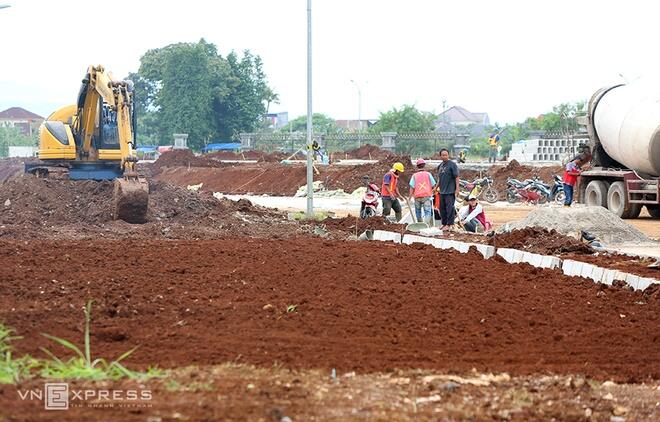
[448, 185]
[390, 191]
[571, 173]
[316, 149]
[421, 187]
[472, 216]
[493, 142]
[462, 156]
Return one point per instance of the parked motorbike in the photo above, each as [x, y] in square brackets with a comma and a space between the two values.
[369, 205]
[521, 191]
[557, 191]
[481, 188]
[537, 185]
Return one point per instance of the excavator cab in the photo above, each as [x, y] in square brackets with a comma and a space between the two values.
[94, 139]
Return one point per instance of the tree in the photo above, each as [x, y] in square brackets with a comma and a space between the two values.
[190, 88]
[562, 118]
[320, 122]
[405, 120]
[241, 107]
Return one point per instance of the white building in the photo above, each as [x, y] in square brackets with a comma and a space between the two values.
[22, 151]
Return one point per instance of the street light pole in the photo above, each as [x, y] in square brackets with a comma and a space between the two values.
[310, 152]
[359, 112]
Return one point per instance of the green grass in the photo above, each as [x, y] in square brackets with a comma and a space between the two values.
[79, 366]
[12, 370]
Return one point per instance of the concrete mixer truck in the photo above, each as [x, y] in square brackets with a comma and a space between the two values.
[623, 122]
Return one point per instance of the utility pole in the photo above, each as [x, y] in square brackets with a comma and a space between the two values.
[359, 112]
[310, 151]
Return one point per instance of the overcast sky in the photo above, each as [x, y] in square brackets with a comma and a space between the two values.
[511, 59]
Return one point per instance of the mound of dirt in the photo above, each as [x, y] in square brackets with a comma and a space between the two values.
[541, 241]
[182, 158]
[30, 207]
[365, 152]
[34, 201]
[352, 177]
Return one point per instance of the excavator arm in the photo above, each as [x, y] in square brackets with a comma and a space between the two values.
[101, 89]
[94, 139]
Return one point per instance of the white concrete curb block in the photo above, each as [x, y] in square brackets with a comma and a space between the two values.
[514, 256]
[486, 251]
[386, 236]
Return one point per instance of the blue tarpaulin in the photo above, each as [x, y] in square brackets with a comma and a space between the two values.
[222, 147]
[146, 148]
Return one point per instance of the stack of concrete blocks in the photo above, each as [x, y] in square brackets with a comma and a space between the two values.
[532, 150]
[514, 256]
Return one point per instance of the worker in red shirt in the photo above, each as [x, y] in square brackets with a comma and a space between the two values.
[390, 191]
[571, 173]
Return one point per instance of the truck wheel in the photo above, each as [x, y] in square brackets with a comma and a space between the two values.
[617, 202]
[654, 210]
[596, 194]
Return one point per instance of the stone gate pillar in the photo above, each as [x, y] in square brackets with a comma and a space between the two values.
[246, 141]
[389, 141]
[180, 140]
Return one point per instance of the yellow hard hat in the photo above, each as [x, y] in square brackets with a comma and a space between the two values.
[398, 167]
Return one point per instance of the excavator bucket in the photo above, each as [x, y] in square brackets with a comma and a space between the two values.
[131, 200]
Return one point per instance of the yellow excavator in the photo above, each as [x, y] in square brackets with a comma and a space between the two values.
[94, 139]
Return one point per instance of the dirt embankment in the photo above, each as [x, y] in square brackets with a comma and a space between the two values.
[259, 156]
[281, 179]
[515, 170]
[182, 158]
[350, 178]
[351, 306]
[365, 152]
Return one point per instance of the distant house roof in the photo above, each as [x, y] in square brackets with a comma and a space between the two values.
[18, 113]
[458, 114]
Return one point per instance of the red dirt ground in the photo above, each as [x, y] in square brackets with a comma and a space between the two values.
[359, 306]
